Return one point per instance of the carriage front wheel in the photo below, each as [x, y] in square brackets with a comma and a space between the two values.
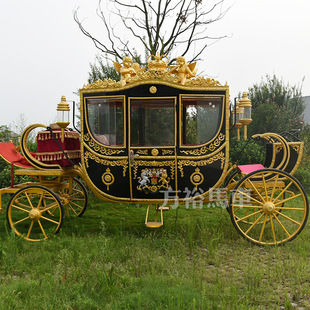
[269, 206]
[35, 213]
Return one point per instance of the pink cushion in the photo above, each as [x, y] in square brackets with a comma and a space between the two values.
[250, 168]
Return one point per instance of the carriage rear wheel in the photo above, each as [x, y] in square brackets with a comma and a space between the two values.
[269, 206]
[35, 213]
[76, 200]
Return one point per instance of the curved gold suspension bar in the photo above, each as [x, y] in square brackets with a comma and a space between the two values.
[32, 160]
[286, 149]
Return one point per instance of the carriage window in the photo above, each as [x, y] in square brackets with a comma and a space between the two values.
[106, 120]
[201, 119]
[152, 122]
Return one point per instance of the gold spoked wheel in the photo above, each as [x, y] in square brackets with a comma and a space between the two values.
[35, 213]
[269, 206]
[75, 200]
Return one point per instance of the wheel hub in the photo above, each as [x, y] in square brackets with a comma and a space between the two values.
[269, 208]
[34, 214]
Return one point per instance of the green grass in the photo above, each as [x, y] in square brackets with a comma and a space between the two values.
[108, 259]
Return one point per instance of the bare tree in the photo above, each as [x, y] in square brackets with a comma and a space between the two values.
[158, 25]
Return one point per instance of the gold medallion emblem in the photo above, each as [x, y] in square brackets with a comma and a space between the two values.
[155, 152]
[153, 89]
[197, 178]
[108, 178]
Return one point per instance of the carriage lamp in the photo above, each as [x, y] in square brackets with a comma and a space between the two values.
[245, 104]
[63, 112]
[238, 115]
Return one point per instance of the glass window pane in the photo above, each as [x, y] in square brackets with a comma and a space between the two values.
[106, 120]
[201, 119]
[152, 122]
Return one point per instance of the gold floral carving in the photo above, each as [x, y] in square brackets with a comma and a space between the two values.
[153, 163]
[207, 148]
[106, 162]
[99, 148]
[200, 163]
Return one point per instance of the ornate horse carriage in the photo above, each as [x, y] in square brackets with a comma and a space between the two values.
[159, 136]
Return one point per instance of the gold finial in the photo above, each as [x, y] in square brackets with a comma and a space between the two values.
[157, 64]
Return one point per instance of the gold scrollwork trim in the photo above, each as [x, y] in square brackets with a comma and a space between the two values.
[209, 161]
[153, 163]
[213, 146]
[106, 162]
[99, 148]
[165, 152]
[142, 152]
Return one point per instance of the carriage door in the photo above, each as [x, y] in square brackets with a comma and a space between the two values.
[152, 147]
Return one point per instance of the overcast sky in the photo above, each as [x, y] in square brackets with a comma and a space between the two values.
[44, 55]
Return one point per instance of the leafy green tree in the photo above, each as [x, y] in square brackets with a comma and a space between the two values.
[276, 106]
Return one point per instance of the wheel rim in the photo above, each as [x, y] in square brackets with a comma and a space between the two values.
[269, 207]
[35, 213]
[76, 200]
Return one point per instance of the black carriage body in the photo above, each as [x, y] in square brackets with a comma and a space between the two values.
[152, 141]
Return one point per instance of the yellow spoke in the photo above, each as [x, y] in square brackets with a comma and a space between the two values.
[247, 206]
[29, 201]
[264, 181]
[263, 228]
[72, 209]
[287, 208]
[75, 204]
[250, 228]
[42, 229]
[283, 191]
[54, 205]
[256, 190]
[40, 202]
[245, 217]
[50, 220]
[261, 203]
[272, 228]
[20, 221]
[30, 229]
[287, 199]
[19, 208]
[282, 226]
[274, 187]
[288, 218]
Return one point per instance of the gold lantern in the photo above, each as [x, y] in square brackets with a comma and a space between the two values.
[63, 113]
[245, 120]
[239, 115]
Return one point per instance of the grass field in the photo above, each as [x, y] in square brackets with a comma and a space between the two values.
[108, 259]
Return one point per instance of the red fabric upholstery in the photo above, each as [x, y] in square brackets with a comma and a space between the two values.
[48, 151]
[250, 168]
[10, 154]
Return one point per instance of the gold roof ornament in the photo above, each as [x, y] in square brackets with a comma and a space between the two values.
[183, 70]
[157, 65]
[182, 73]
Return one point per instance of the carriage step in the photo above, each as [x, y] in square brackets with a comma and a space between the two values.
[166, 208]
[158, 211]
[153, 224]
